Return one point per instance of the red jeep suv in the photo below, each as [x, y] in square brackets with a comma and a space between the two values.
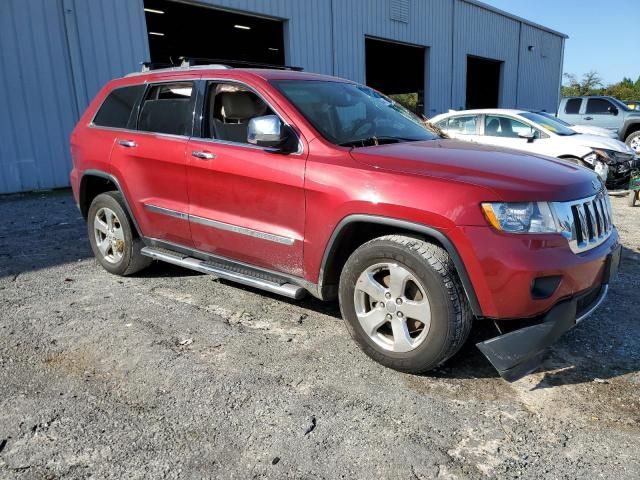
[299, 183]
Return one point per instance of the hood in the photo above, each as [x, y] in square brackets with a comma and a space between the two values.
[596, 141]
[511, 175]
[590, 130]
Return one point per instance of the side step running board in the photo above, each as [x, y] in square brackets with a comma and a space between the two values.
[234, 272]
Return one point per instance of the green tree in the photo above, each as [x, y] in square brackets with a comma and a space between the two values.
[591, 84]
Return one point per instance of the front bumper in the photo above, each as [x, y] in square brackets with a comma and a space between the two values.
[520, 352]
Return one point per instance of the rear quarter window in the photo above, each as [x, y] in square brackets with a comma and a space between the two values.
[116, 110]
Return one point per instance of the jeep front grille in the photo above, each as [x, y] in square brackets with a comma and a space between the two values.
[585, 223]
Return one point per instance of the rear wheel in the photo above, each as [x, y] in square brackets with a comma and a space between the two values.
[114, 242]
[403, 303]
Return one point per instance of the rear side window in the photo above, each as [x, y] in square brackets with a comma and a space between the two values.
[573, 106]
[598, 105]
[168, 108]
[465, 125]
[117, 108]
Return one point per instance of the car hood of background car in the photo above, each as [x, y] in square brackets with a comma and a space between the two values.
[511, 174]
[596, 141]
[598, 131]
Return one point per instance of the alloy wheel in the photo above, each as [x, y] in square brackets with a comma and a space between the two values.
[392, 307]
[109, 235]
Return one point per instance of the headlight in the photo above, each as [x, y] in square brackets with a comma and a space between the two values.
[607, 156]
[527, 217]
[592, 157]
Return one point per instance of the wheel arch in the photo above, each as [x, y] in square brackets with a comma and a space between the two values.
[354, 230]
[95, 182]
[629, 128]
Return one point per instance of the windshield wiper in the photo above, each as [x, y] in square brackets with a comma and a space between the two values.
[374, 140]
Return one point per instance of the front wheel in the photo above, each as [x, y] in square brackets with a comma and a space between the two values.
[114, 242]
[403, 304]
[633, 140]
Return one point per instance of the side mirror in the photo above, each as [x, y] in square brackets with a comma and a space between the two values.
[613, 110]
[268, 131]
[531, 136]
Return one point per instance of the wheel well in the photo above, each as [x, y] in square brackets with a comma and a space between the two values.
[348, 240]
[92, 186]
[634, 127]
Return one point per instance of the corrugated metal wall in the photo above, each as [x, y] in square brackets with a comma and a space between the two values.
[56, 54]
[429, 26]
[38, 104]
[540, 69]
[483, 33]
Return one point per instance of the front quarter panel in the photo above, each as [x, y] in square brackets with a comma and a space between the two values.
[337, 186]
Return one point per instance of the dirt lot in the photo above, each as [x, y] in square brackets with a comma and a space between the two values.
[180, 375]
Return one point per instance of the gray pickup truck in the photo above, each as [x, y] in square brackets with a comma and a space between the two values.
[606, 112]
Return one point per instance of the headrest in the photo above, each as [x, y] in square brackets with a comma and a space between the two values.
[493, 125]
[240, 105]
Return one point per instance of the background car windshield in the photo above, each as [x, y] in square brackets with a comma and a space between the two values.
[554, 118]
[548, 123]
[620, 104]
[346, 113]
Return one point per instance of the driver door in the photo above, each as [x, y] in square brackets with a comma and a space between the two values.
[246, 202]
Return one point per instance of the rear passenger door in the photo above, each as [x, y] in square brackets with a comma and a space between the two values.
[571, 111]
[150, 161]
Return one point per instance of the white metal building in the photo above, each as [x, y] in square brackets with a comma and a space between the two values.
[56, 54]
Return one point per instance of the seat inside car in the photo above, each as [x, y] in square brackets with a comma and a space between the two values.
[231, 113]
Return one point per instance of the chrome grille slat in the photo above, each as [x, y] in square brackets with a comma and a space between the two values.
[587, 222]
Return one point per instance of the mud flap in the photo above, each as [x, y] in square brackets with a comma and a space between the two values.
[518, 353]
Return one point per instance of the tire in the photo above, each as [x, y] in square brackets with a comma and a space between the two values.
[633, 197]
[633, 140]
[115, 243]
[436, 329]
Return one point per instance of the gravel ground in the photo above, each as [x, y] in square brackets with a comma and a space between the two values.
[180, 375]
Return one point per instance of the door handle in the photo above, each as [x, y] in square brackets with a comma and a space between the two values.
[128, 143]
[588, 118]
[203, 155]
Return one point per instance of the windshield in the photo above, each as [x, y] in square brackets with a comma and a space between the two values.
[620, 104]
[548, 123]
[353, 115]
[553, 117]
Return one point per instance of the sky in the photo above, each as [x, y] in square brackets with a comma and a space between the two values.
[603, 36]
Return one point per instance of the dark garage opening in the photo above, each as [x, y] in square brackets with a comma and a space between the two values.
[483, 82]
[397, 70]
[182, 30]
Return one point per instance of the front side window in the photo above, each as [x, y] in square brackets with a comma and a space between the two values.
[598, 106]
[497, 126]
[116, 110]
[229, 108]
[168, 108]
[353, 115]
[464, 125]
[573, 106]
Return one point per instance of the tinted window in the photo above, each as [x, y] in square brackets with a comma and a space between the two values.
[168, 108]
[465, 125]
[229, 108]
[573, 106]
[495, 126]
[598, 105]
[116, 109]
[549, 123]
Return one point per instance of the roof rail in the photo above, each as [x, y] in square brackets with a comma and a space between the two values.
[195, 61]
[205, 63]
